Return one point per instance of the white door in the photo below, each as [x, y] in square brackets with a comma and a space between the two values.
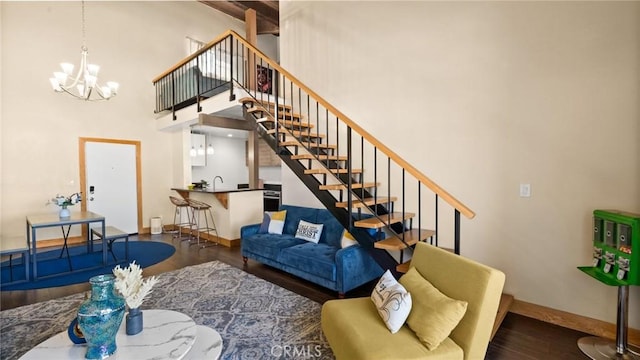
[111, 184]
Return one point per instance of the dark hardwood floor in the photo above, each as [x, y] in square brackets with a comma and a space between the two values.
[519, 337]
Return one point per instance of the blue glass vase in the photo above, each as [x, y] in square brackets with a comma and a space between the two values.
[100, 316]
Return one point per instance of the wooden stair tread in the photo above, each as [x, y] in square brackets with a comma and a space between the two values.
[264, 111]
[288, 116]
[411, 237]
[289, 124]
[404, 267]
[344, 186]
[319, 157]
[245, 100]
[503, 308]
[307, 144]
[367, 202]
[383, 220]
[331, 171]
[297, 133]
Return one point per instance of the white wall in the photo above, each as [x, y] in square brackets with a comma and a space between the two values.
[482, 96]
[228, 161]
[271, 174]
[133, 42]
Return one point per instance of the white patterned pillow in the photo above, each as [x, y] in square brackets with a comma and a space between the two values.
[309, 231]
[392, 301]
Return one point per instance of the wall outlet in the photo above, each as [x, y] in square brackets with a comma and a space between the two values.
[525, 190]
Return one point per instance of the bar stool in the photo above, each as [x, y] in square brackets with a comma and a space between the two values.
[198, 207]
[180, 204]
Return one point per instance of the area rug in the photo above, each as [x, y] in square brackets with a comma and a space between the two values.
[145, 253]
[256, 319]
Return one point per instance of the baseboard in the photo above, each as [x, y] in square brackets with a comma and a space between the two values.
[78, 240]
[572, 321]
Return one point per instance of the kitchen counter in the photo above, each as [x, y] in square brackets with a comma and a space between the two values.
[221, 195]
[221, 191]
[231, 208]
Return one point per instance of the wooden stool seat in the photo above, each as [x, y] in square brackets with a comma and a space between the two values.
[178, 222]
[209, 226]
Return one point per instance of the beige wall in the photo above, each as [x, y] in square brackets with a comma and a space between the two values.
[133, 42]
[483, 96]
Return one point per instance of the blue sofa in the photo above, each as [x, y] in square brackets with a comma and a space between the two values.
[325, 263]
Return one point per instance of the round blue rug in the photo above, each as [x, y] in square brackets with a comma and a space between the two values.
[54, 271]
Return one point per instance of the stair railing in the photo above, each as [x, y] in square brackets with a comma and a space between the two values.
[337, 142]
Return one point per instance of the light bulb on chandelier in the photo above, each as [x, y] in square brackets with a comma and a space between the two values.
[84, 85]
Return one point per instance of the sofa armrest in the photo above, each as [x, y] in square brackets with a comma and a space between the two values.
[354, 267]
[249, 230]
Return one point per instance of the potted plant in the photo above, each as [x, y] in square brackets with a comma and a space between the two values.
[64, 202]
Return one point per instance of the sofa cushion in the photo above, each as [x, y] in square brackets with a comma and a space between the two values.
[332, 228]
[309, 231]
[269, 245]
[355, 332]
[317, 259]
[434, 315]
[295, 214]
[392, 301]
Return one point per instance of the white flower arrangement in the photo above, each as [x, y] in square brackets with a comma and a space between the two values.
[64, 201]
[131, 286]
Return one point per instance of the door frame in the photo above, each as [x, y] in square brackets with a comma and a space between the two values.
[83, 176]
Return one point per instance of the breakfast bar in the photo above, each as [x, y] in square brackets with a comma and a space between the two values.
[231, 209]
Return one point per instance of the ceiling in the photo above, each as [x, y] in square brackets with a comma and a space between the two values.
[267, 13]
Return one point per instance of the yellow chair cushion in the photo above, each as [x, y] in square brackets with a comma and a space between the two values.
[433, 315]
[356, 332]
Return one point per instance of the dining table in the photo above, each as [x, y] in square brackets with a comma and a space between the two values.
[40, 221]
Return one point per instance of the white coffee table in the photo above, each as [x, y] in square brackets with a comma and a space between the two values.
[166, 335]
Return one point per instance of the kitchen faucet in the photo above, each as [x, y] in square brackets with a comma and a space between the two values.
[214, 182]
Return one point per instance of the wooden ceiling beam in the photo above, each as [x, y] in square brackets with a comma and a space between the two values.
[269, 9]
[268, 17]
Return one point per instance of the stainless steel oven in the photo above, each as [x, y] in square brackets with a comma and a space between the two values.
[272, 197]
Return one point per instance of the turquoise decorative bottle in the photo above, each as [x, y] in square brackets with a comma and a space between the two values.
[100, 316]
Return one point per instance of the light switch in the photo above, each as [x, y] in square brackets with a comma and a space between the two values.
[525, 190]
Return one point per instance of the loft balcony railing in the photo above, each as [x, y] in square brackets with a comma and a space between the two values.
[345, 160]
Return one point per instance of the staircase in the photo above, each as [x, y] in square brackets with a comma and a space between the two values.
[316, 162]
[385, 202]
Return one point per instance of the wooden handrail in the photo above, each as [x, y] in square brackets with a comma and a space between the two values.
[443, 194]
[195, 54]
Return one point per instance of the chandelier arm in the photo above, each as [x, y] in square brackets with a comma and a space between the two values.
[65, 89]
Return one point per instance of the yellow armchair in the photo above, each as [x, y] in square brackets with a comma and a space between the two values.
[355, 330]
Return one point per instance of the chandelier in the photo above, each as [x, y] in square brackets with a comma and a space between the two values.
[83, 85]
